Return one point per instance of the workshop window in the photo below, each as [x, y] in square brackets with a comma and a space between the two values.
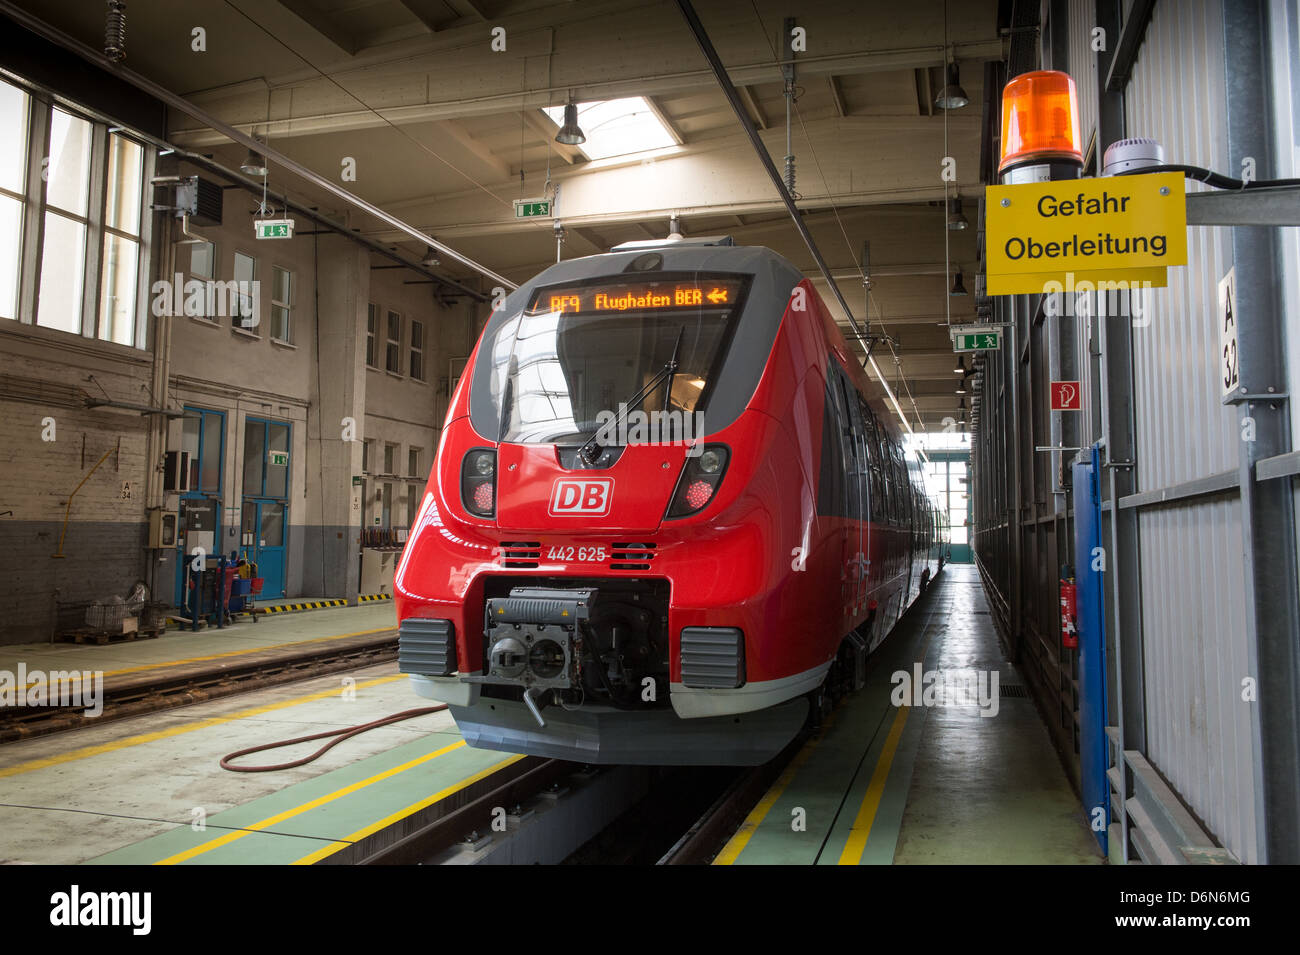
[412, 504]
[203, 260]
[71, 221]
[66, 224]
[390, 459]
[243, 301]
[417, 350]
[281, 304]
[121, 261]
[413, 463]
[14, 108]
[394, 356]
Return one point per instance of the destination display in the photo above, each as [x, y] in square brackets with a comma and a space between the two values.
[637, 296]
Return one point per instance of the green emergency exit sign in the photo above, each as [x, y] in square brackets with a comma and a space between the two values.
[280, 458]
[274, 228]
[532, 208]
[976, 341]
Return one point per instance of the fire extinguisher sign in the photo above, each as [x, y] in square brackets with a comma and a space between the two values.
[1065, 395]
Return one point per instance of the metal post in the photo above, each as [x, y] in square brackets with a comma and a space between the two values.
[1124, 617]
[1268, 517]
[196, 592]
[221, 591]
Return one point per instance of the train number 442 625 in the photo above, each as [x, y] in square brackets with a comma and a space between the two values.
[576, 553]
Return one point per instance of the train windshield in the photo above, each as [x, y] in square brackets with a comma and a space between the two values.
[561, 368]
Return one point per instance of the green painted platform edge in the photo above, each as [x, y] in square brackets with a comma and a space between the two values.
[836, 756]
[302, 834]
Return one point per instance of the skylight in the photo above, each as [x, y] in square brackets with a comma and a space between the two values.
[617, 127]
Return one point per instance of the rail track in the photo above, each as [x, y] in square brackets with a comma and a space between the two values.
[183, 684]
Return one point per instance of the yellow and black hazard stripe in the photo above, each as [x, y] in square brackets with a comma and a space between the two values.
[309, 605]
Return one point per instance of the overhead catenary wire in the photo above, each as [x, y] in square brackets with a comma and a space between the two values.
[729, 91]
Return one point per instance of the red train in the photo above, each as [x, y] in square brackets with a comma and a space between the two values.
[664, 519]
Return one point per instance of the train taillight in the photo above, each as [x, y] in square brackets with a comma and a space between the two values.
[478, 482]
[699, 481]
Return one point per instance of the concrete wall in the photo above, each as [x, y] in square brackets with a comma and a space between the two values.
[49, 442]
[312, 382]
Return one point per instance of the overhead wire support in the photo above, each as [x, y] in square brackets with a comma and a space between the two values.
[733, 99]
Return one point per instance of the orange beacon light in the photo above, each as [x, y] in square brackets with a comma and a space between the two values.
[1040, 124]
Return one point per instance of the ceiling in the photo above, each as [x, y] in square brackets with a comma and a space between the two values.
[444, 131]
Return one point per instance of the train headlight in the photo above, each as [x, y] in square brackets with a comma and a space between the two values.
[699, 481]
[478, 485]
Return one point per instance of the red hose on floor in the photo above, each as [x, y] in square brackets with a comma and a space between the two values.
[345, 733]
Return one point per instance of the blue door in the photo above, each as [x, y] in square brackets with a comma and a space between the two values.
[1093, 758]
[264, 527]
[263, 538]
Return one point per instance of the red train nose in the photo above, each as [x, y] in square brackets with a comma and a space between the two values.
[536, 493]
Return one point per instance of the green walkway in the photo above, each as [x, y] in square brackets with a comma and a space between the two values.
[933, 783]
[311, 820]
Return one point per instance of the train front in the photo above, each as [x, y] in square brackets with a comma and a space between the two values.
[593, 545]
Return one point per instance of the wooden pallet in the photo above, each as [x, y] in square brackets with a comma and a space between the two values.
[87, 635]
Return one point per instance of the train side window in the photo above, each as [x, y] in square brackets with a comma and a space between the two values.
[833, 486]
[853, 457]
[873, 431]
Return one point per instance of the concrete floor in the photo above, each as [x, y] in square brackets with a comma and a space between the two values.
[71, 797]
[884, 783]
[986, 789]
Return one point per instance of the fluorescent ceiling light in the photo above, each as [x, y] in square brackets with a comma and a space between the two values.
[617, 127]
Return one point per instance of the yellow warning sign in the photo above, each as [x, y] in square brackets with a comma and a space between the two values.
[1101, 227]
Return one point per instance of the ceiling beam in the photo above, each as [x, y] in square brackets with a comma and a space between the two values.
[541, 123]
[837, 96]
[752, 105]
[668, 124]
[595, 244]
[322, 24]
[723, 180]
[457, 133]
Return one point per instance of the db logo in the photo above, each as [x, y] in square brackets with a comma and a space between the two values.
[588, 496]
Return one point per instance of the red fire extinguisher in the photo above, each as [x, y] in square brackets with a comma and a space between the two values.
[1069, 632]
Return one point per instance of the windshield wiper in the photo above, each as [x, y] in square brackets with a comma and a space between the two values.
[507, 397]
[587, 453]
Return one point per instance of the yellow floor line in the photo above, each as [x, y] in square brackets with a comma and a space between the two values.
[736, 844]
[857, 843]
[232, 653]
[374, 827]
[87, 751]
[230, 837]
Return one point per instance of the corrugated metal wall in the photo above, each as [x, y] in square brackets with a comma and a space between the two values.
[1083, 67]
[1191, 554]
